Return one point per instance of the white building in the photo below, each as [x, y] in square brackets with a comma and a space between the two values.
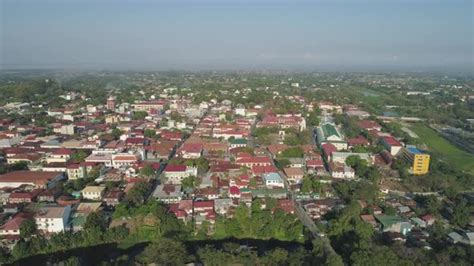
[124, 159]
[53, 219]
[273, 180]
[68, 129]
[93, 192]
[174, 174]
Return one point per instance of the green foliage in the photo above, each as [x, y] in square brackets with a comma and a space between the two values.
[190, 182]
[95, 221]
[13, 167]
[402, 167]
[28, 228]
[261, 131]
[164, 252]
[282, 163]
[362, 169]
[294, 137]
[428, 204]
[116, 133]
[201, 163]
[79, 156]
[65, 241]
[444, 149]
[461, 213]
[139, 115]
[310, 184]
[233, 254]
[313, 118]
[149, 133]
[256, 223]
[293, 152]
[147, 171]
[377, 255]
[351, 191]
[138, 193]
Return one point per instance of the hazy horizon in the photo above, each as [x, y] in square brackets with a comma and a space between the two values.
[232, 34]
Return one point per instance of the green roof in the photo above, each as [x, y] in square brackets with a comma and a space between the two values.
[389, 220]
[238, 141]
[329, 130]
[78, 220]
[244, 190]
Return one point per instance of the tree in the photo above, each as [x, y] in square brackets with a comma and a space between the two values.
[307, 185]
[461, 213]
[389, 210]
[147, 171]
[293, 152]
[139, 115]
[313, 118]
[149, 133]
[95, 220]
[334, 260]
[79, 156]
[164, 252]
[190, 182]
[277, 256]
[282, 163]
[28, 228]
[116, 133]
[138, 193]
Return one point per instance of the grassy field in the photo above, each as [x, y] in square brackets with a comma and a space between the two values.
[444, 149]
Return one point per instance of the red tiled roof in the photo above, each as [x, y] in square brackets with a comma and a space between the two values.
[192, 147]
[369, 124]
[392, 141]
[256, 170]
[204, 204]
[234, 190]
[328, 148]
[286, 205]
[254, 160]
[175, 168]
[38, 178]
[293, 171]
[15, 222]
[135, 141]
[359, 140]
[62, 151]
[314, 163]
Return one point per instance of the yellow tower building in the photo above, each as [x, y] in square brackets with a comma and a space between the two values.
[420, 162]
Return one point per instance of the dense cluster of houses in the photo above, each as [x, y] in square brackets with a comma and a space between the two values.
[204, 155]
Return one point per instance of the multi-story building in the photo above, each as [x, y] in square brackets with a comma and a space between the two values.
[93, 192]
[53, 219]
[420, 162]
[111, 103]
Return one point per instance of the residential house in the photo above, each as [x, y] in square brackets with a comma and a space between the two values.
[295, 175]
[12, 226]
[31, 178]
[394, 223]
[174, 174]
[168, 193]
[93, 192]
[273, 180]
[391, 144]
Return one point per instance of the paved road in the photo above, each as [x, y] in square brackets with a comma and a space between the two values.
[304, 217]
[251, 141]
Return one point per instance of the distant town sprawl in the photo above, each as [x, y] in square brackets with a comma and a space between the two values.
[347, 162]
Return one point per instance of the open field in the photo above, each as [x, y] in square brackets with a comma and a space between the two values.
[444, 149]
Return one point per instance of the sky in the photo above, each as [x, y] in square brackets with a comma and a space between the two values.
[236, 34]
